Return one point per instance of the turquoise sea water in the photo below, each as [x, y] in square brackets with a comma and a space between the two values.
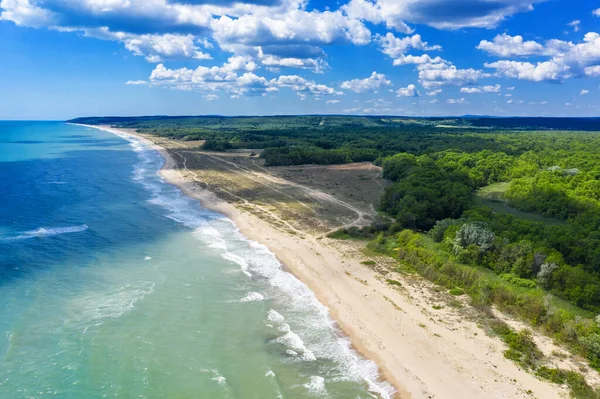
[114, 284]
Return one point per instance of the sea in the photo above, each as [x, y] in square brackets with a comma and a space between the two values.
[114, 284]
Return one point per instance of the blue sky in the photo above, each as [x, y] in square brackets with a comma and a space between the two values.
[68, 58]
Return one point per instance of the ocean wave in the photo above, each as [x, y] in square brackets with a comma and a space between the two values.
[274, 316]
[289, 338]
[48, 231]
[216, 376]
[316, 386]
[237, 259]
[273, 378]
[253, 297]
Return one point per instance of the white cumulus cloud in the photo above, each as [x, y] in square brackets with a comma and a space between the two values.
[506, 46]
[136, 82]
[370, 84]
[481, 89]
[567, 60]
[441, 14]
[432, 76]
[408, 91]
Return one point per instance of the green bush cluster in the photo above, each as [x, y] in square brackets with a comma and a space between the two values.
[521, 282]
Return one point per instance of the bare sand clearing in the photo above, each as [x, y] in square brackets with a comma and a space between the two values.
[424, 352]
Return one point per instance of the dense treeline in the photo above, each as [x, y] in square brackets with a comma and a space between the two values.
[341, 139]
[435, 192]
[285, 156]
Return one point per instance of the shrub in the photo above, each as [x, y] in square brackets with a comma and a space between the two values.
[545, 273]
[521, 282]
[474, 233]
[456, 292]
[369, 263]
[579, 387]
[521, 343]
[591, 344]
[554, 375]
[438, 231]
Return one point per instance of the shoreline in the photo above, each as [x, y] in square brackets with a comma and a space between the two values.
[413, 352]
[172, 175]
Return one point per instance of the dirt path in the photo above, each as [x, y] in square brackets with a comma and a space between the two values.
[271, 181]
[244, 201]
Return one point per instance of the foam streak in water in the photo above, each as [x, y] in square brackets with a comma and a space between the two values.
[48, 231]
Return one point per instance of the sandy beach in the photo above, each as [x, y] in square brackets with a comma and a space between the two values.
[424, 352]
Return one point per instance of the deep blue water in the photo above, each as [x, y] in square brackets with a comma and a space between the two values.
[59, 177]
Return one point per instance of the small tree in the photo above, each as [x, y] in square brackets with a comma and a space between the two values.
[591, 344]
[437, 232]
[475, 233]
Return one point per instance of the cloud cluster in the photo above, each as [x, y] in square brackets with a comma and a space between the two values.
[441, 14]
[567, 60]
[277, 33]
[395, 47]
[235, 77]
[408, 91]
[481, 89]
[433, 71]
[158, 47]
[506, 46]
[370, 84]
[445, 74]
[548, 71]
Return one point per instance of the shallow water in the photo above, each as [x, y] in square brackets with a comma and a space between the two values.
[114, 284]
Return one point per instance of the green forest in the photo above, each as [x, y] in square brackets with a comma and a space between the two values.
[507, 209]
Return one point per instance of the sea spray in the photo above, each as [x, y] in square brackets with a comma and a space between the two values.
[48, 231]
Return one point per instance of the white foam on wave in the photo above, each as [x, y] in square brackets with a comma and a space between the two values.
[315, 335]
[236, 259]
[253, 297]
[271, 375]
[289, 338]
[210, 236]
[316, 386]
[48, 231]
[216, 376]
[91, 310]
[275, 317]
[179, 207]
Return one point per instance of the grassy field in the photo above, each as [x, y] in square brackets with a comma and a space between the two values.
[493, 196]
[309, 199]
